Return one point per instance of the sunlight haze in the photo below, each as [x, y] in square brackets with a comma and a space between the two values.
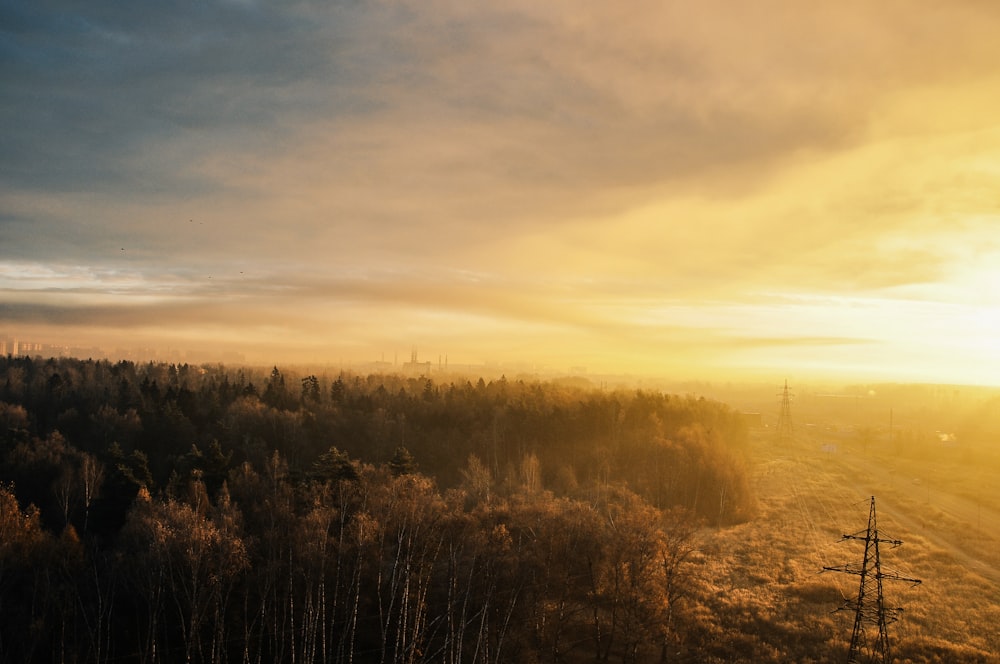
[697, 190]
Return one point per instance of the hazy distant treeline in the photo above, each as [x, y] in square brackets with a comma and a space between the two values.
[170, 512]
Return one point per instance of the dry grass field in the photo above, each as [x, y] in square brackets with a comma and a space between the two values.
[769, 599]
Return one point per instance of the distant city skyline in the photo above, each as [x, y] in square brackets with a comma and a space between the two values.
[413, 363]
[703, 191]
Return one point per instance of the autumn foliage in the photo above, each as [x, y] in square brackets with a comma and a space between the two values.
[173, 513]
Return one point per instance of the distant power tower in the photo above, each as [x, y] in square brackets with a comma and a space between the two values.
[785, 415]
[870, 638]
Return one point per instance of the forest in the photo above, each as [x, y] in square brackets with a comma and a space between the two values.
[162, 513]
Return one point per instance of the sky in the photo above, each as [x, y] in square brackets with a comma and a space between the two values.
[699, 190]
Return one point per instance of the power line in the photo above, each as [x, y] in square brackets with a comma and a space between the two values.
[785, 415]
[870, 637]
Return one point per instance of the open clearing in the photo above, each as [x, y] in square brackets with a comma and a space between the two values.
[812, 491]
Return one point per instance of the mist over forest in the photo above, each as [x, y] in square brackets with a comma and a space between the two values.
[171, 512]
[217, 514]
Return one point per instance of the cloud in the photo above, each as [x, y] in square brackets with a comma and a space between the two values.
[95, 89]
[623, 176]
[486, 114]
[791, 342]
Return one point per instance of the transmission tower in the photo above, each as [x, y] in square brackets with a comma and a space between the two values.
[785, 415]
[870, 637]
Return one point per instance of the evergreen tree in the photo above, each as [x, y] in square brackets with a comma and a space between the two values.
[334, 465]
[402, 462]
